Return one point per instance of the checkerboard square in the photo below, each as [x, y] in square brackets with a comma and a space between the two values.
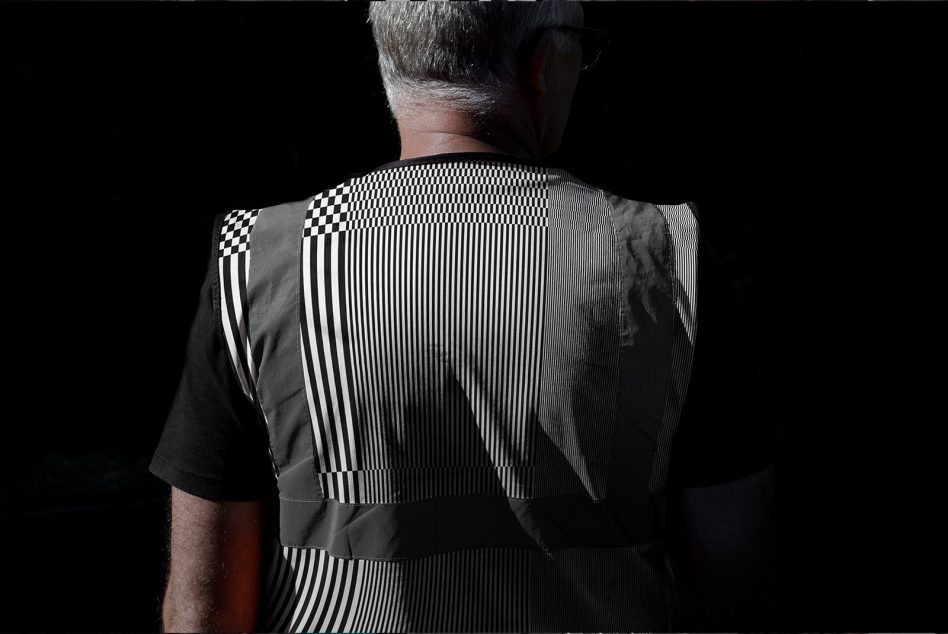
[236, 229]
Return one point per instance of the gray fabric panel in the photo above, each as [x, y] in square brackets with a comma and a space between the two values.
[647, 322]
[428, 527]
[644, 252]
[273, 295]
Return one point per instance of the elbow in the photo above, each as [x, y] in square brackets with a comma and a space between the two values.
[192, 612]
[185, 614]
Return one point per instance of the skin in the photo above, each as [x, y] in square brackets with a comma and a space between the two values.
[543, 101]
[215, 574]
[721, 537]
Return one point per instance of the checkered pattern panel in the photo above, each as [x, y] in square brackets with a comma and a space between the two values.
[457, 194]
[329, 214]
[235, 233]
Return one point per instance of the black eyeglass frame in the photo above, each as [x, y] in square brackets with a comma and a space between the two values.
[599, 36]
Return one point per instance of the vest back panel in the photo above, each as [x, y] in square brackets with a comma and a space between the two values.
[469, 356]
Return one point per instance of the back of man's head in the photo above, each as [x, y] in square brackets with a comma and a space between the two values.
[463, 55]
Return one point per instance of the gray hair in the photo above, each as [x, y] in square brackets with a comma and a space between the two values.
[459, 53]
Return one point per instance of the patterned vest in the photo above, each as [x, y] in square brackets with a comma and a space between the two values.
[471, 372]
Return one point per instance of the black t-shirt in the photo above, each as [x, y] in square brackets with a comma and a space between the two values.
[723, 434]
[214, 444]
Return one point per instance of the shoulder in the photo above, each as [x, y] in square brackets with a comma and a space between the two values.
[638, 218]
[669, 227]
[244, 220]
[236, 228]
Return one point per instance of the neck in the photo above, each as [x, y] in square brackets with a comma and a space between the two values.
[443, 131]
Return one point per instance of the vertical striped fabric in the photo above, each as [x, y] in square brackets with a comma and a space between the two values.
[233, 271]
[683, 225]
[234, 267]
[397, 264]
[458, 338]
[489, 590]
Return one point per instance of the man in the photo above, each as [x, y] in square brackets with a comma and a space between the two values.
[449, 393]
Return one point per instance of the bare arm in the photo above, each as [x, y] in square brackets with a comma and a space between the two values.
[214, 575]
[723, 541]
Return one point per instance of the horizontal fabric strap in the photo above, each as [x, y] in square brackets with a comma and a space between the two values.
[433, 526]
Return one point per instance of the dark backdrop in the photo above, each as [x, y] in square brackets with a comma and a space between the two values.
[811, 137]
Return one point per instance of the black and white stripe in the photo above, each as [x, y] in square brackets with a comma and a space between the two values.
[323, 334]
[684, 233]
[234, 268]
[233, 272]
[400, 262]
[484, 590]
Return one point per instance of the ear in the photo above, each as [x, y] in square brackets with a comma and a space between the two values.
[538, 63]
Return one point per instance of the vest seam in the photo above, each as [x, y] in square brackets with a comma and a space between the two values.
[668, 257]
[603, 501]
[671, 590]
[661, 542]
[300, 307]
[251, 362]
[618, 279]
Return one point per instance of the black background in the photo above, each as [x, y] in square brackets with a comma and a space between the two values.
[811, 137]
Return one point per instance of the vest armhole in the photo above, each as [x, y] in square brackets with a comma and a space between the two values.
[215, 266]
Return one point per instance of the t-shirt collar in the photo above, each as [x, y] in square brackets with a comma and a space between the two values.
[449, 157]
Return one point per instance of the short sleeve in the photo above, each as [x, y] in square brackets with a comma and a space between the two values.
[214, 443]
[723, 433]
